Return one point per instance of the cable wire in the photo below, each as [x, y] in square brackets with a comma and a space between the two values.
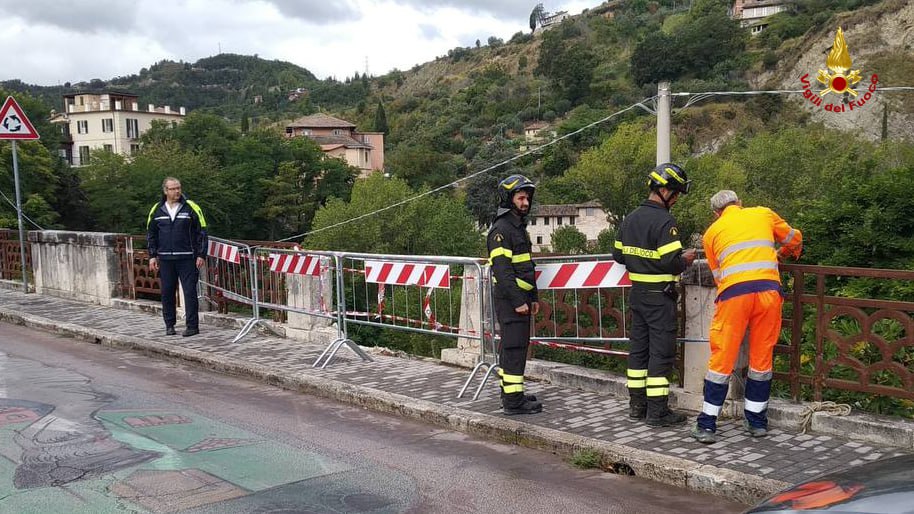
[23, 214]
[472, 175]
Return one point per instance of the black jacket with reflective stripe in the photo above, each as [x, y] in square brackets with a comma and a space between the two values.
[183, 238]
[648, 244]
[510, 257]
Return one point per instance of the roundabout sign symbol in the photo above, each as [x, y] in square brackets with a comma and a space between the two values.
[14, 124]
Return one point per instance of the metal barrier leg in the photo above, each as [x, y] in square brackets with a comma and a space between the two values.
[248, 326]
[332, 348]
[485, 378]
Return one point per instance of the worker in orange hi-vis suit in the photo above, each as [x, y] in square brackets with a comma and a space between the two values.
[742, 250]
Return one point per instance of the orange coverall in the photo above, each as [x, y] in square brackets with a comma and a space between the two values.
[741, 250]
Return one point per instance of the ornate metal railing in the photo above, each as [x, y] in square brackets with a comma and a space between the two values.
[836, 337]
[10, 256]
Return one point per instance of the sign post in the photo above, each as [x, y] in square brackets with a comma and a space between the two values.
[14, 125]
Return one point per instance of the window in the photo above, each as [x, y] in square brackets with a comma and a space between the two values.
[83, 155]
[107, 124]
[134, 149]
[133, 128]
[539, 240]
[82, 127]
[290, 131]
[65, 130]
[108, 148]
[545, 220]
[339, 132]
[571, 220]
[533, 221]
[590, 211]
[558, 220]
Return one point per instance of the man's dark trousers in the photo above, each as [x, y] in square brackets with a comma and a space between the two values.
[653, 321]
[185, 270]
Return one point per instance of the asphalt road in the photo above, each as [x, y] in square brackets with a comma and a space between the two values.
[85, 428]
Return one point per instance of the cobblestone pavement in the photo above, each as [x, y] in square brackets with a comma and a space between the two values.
[783, 456]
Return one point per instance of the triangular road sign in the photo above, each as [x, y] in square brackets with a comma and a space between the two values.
[13, 122]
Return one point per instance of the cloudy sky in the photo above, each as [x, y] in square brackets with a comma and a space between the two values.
[49, 42]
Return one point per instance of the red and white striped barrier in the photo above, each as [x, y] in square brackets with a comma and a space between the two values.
[225, 252]
[408, 274]
[301, 264]
[581, 275]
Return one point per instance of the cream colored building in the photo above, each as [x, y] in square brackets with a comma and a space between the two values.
[339, 138]
[106, 121]
[589, 218]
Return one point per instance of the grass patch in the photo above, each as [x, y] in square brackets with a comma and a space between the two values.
[586, 458]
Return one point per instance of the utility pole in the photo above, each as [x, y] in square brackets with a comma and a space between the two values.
[663, 121]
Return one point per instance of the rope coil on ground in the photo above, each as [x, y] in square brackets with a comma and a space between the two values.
[835, 409]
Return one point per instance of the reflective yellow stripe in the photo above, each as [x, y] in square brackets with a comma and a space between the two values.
[501, 251]
[199, 212]
[636, 378]
[671, 172]
[641, 252]
[519, 388]
[660, 180]
[521, 257]
[618, 244]
[526, 286]
[644, 277]
[653, 392]
[670, 247]
[512, 379]
[151, 212]
[658, 386]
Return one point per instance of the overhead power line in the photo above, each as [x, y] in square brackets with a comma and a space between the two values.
[472, 175]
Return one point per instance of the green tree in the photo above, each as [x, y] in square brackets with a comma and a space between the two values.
[38, 179]
[430, 225]
[606, 240]
[536, 17]
[615, 172]
[301, 186]
[568, 240]
[380, 119]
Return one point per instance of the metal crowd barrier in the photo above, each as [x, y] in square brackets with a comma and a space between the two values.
[582, 308]
[421, 294]
[230, 273]
[278, 267]
[582, 298]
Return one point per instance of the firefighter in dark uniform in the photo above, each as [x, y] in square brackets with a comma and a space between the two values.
[514, 290]
[648, 244]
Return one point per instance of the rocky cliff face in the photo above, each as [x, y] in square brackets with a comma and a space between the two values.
[880, 40]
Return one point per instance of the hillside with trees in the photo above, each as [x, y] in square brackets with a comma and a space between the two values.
[466, 111]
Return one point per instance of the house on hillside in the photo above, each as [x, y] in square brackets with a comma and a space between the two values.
[110, 121]
[589, 218]
[538, 132]
[549, 20]
[339, 138]
[753, 14]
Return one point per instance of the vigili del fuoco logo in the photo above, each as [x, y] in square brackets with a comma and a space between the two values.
[841, 80]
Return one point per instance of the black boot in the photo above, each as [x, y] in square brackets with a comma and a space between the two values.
[637, 404]
[517, 403]
[528, 397]
[660, 415]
